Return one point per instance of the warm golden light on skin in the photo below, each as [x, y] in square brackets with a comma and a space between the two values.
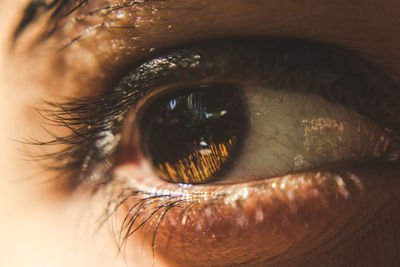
[255, 221]
[108, 47]
[299, 212]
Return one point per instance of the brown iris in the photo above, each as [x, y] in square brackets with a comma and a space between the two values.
[193, 135]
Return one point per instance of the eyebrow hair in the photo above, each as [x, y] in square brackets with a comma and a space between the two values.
[57, 10]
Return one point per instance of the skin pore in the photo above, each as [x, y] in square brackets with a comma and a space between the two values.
[41, 226]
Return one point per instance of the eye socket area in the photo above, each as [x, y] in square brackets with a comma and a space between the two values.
[180, 214]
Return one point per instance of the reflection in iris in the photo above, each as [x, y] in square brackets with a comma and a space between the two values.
[191, 135]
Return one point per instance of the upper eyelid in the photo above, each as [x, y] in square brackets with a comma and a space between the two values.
[102, 68]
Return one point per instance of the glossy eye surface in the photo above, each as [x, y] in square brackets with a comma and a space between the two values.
[192, 134]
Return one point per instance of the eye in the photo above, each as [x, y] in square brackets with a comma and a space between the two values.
[193, 135]
[241, 151]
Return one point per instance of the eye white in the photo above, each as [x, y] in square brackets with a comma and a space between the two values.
[292, 131]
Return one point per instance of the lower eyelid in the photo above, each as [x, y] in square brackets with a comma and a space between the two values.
[257, 220]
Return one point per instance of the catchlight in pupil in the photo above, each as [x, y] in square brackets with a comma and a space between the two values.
[193, 134]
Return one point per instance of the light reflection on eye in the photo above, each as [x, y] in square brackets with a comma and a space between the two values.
[194, 141]
[277, 132]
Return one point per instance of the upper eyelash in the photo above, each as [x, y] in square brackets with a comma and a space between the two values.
[88, 120]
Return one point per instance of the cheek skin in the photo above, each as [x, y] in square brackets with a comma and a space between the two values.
[289, 220]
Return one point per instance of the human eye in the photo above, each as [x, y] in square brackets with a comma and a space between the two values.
[237, 151]
[217, 145]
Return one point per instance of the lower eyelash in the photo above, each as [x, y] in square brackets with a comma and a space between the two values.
[147, 210]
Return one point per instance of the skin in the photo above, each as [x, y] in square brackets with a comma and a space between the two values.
[41, 226]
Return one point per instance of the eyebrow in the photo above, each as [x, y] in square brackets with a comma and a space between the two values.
[57, 10]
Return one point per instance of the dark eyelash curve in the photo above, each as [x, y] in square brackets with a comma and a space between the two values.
[88, 120]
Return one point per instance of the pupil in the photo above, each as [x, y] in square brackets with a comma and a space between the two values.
[192, 135]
